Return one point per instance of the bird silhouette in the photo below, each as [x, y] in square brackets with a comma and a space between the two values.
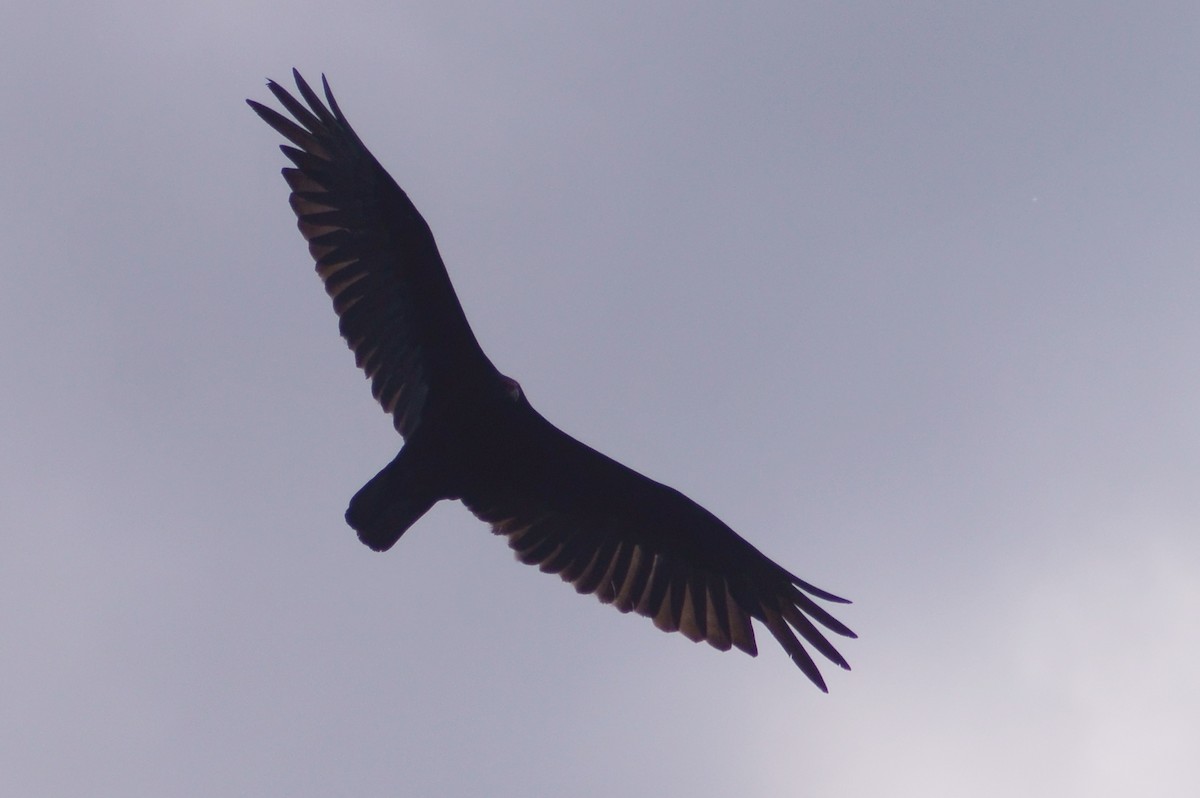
[470, 433]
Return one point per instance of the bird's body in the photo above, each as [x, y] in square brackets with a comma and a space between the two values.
[471, 434]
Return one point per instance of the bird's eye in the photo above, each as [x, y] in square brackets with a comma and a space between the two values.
[511, 387]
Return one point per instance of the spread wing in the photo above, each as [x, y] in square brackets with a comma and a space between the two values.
[378, 260]
[644, 547]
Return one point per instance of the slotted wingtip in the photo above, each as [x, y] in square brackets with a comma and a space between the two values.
[817, 592]
[272, 85]
[814, 675]
[333, 106]
[275, 88]
[298, 78]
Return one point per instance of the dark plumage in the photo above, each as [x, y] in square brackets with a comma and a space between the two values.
[470, 433]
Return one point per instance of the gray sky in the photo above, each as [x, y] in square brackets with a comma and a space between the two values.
[906, 293]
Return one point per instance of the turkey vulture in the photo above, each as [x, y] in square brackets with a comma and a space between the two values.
[470, 433]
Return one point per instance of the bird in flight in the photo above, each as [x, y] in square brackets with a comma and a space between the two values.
[470, 433]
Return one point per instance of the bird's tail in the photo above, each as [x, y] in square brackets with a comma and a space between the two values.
[387, 506]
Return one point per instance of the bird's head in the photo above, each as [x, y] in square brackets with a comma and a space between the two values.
[512, 388]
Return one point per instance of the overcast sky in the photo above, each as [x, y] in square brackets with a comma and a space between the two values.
[907, 293]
